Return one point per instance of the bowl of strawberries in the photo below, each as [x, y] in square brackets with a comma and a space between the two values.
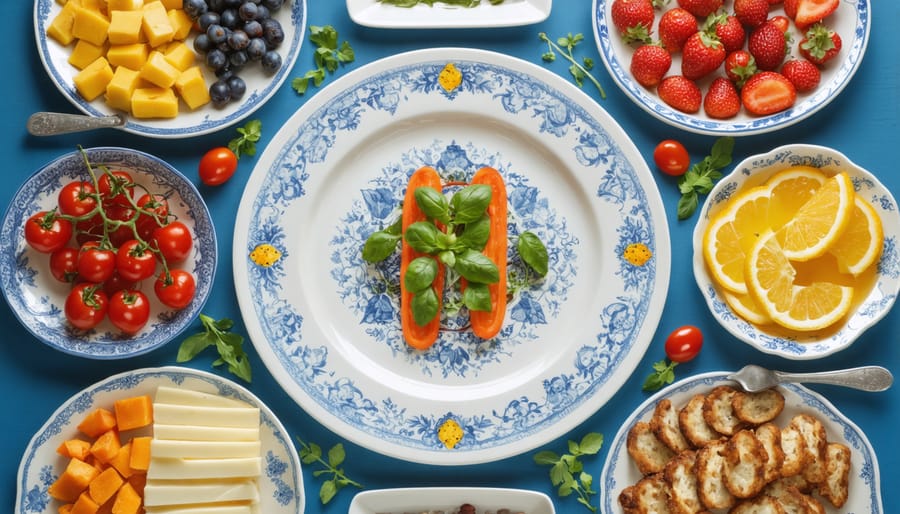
[731, 67]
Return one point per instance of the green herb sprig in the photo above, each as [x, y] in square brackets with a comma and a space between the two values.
[311, 453]
[245, 143]
[566, 46]
[701, 177]
[328, 56]
[227, 343]
[663, 374]
[567, 471]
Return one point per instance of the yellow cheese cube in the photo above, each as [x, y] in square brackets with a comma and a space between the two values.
[173, 4]
[181, 23]
[125, 27]
[85, 53]
[60, 28]
[156, 24]
[154, 102]
[158, 70]
[124, 5]
[90, 25]
[94, 5]
[91, 82]
[131, 56]
[192, 88]
[180, 55]
[121, 88]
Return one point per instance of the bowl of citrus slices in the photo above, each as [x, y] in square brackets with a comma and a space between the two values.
[796, 251]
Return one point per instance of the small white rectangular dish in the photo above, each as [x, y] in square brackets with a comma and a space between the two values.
[510, 13]
[449, 499]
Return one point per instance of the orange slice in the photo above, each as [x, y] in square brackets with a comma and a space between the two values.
[862, 243]
[789, 189]
[731, 233]
[820, 221]
[746, 307]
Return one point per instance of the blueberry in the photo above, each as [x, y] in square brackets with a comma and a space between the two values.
[208, 18]
[232, 4]
[271, 61]
[219, 93]
[237, 87]
[273, 5]
[273, 32]
[262, 12]
[216, 34]
[194, 8]
[253, 28]
[216, 59]
[230, 18]
[238, 40]
[248, 11]
[238, 59]
[225, 73]
[202, 44]
[256, 49]
[216, 5]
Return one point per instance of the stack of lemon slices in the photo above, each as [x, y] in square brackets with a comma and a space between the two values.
[794, 250]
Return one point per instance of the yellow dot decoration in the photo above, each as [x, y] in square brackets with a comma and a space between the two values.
[450, 78]
[265, 255]
[637, 254]
[450, 433]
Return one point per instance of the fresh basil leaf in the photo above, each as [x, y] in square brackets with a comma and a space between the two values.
[395, 228]
[433, 203]
[470, 202]
[424, 306]
[475, 234]
[448, 258]
[424, 237]
[474, 266]
[687, 204]
[720, 155]
[193, 345]
[533, 252]
[420, 274]
[379, 246]
[477, 297]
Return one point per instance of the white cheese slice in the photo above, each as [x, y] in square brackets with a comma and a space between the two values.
[158, 493]
[178, 396]
[188, 469]
[204, 449]
[203, 509]
[170, 414]
[199, 433]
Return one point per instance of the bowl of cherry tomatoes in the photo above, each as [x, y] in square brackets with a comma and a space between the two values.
[107, 253]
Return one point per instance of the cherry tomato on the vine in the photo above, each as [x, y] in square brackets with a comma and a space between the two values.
[77, 198]
[124, 230]
[684, 343]
[86, 305]
[95, 264]
[47, 232]
[176, 288]
[116, 283]
[154, 214]
[116, 188]
[174, 241]
[64, 264]
[671, 157]
[129, 310]
[217, 166]
[135, 261]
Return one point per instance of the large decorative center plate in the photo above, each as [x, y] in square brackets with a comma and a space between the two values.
[326, 323]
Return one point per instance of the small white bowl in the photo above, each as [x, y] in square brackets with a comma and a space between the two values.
[449, 499]
[37, 299]
[876, 305]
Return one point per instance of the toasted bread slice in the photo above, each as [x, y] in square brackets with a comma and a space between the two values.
[648, 452]
[759, 505]
[835, 487]
[794, 448]
[682, 480]
[649, 496]
[719, 412]
[745, 464]
[815, 441]
[711, 476]
[791, 500]
[693, 425]
[664, 424]
[770, 436]
[758, 408]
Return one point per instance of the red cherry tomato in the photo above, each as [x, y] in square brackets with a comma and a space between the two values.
[154, 213]
[86, 306]
[684, 343]
[174, 241]
[77, 198]
[116, 283]
[119, 232]
[217, 166]
[116, 188]
[671, 157]
[129, 310]
[64, 264]
[95, 264]
[175, 289]
[47, 232]
[134, 261]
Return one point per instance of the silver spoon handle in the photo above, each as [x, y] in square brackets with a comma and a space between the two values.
[52, 123]
[866, 378]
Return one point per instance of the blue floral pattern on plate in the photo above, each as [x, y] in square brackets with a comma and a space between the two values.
[281, 486]
[880, 299]
[331, 335]
[37, 299]
[864, 484]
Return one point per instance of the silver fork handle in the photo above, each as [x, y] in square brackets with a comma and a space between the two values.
[865, 378]
[52, 123]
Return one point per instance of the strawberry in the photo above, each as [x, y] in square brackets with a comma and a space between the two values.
[701, 55]
[680, 93]
[751, 13]
[774, 2]
[812, 11]
[768, 45]
[803, 74]
[768, 92]
[790, 8]
[701, 8]
[722, 100]
[820, 44]
[740, 66]
[633, 19]
[649, 63]
[781, 22]
[675, 26]
[728, 29]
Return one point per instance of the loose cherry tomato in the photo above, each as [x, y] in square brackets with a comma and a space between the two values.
[86, 305]
[671, 157]
[217, 166]
[64, 264]
[135, 261]
[175, 289]
[116, 188]
[77, 198]
[154, 214]
[129, 310]
[174, 241]
[95, 264]
[684, 343]
[47, 232]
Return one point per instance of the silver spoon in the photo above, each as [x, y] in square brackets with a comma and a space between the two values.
[867, 378]
[53, 123]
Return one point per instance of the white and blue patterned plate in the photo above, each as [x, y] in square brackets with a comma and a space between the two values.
[851, 21]
[757, 169]
[260, 85]
[510, 13]
[865, 490]
[37, 298]
[327, 325]
[280, 485]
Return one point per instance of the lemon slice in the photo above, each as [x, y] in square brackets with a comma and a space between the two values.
[789, 189]
[863, 241]
[770, 280]
[746, 307]
[731, 233]
[820, 221]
